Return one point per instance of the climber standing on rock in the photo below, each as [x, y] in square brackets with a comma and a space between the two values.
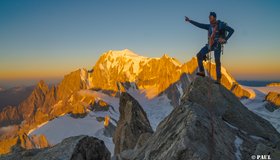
[217, 36]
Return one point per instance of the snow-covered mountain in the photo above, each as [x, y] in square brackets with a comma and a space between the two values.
[65, 126]
[154, 75]
[257, 104]
[82, 100]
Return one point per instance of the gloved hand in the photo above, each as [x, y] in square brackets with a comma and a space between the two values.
[222, 41]
[187, 19]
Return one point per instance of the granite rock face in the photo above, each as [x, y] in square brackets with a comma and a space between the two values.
[210, 123]
[132, 123]
[226, 105]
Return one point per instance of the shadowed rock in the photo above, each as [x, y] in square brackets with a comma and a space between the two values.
[73, 148]
[109, 130]
[132, 123]
[223, 103]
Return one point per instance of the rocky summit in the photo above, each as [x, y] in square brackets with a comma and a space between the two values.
[210, 123]
[226, 105]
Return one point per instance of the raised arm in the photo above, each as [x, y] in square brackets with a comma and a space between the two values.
[199, 25]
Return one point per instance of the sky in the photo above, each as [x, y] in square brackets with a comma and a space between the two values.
[48, 39]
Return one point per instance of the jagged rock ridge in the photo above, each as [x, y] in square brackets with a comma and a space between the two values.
[132, 124]
[209, 126]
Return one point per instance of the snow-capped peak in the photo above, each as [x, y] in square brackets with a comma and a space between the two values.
[123, 53]
[123, 60]
[126, 57]
[173, 60]
[127, 66]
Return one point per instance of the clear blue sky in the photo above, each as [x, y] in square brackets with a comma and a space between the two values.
[50, 38]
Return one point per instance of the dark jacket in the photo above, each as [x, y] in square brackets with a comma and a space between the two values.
[221, 27]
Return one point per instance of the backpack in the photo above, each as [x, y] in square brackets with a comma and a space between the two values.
[221, 28]
[222, 32]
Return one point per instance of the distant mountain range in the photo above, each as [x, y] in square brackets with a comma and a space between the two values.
[14, 96]
[256, 83]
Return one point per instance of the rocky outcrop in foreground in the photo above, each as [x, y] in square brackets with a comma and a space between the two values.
[222, 103]
[74, 148]
[210, 123]
[133, 124]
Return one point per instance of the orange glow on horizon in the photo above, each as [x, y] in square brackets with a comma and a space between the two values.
[33, 74]
[237, 71]
[235, 65]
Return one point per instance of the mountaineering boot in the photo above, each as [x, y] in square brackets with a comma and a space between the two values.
[202, 74]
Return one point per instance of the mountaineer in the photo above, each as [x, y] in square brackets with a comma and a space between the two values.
[217, 36]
